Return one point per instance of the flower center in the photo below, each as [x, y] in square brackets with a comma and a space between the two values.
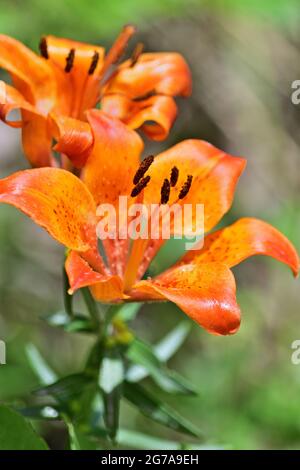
[140, 182]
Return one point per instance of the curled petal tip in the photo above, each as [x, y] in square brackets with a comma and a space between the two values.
[246, 237]
[296, 270]
[206, 293]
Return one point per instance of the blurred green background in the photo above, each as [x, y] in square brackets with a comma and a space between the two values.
[244, 56]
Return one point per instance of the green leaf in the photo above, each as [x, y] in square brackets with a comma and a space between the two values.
[16, 433]
[39, 366]
[170, 344]
[153, 408]
[67, 388]
[129, 311]
[110, 380]
[45, 412]
[92, 306]
[78, 323]
[111, 403]
[86, 442]
[137, 440]
[83, 407]
[141, 353]
[164, 350]
[111, 374]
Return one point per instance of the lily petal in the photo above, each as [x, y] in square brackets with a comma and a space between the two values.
[12, 99]
[83, 85]
[154, 115]
[214, 172]
[104, 287]
[165, 73]
[206, 293]
[215, 175]
[244, 238]
[31, 74]
[59, 48]
[74, 138]
[217, 190]
[114, 159]
[57, 201]
[36, 138]
[118, 47]
[109, 170]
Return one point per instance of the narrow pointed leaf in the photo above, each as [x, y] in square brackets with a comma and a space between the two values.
[129, 311]
[66, 388]
[44, 412]
[169, 345]
[111, 374]
[164, 349]
[110, 381]
[78, 323]
[154, 409]
[141, 353]
[137, 440]
[39, 366]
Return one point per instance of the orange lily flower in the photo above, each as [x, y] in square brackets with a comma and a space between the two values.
[201, 283]
[54, 90]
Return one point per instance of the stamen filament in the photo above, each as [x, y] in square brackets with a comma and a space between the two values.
[135, 258]
[118, 47]
[136, 53]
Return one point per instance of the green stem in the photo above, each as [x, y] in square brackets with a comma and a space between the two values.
[99, 352]
[91, 306]
[112, 412]
[110, 315]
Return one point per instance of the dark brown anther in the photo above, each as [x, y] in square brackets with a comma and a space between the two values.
[186, 187]
[165, 192]
[144, 166]
[70, 60]
[43, 46]
[174, 176]
[140, 186]
[136, 53]
[94, 63]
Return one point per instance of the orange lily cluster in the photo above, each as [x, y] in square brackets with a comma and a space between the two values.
[201, 283]
[53, 91]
